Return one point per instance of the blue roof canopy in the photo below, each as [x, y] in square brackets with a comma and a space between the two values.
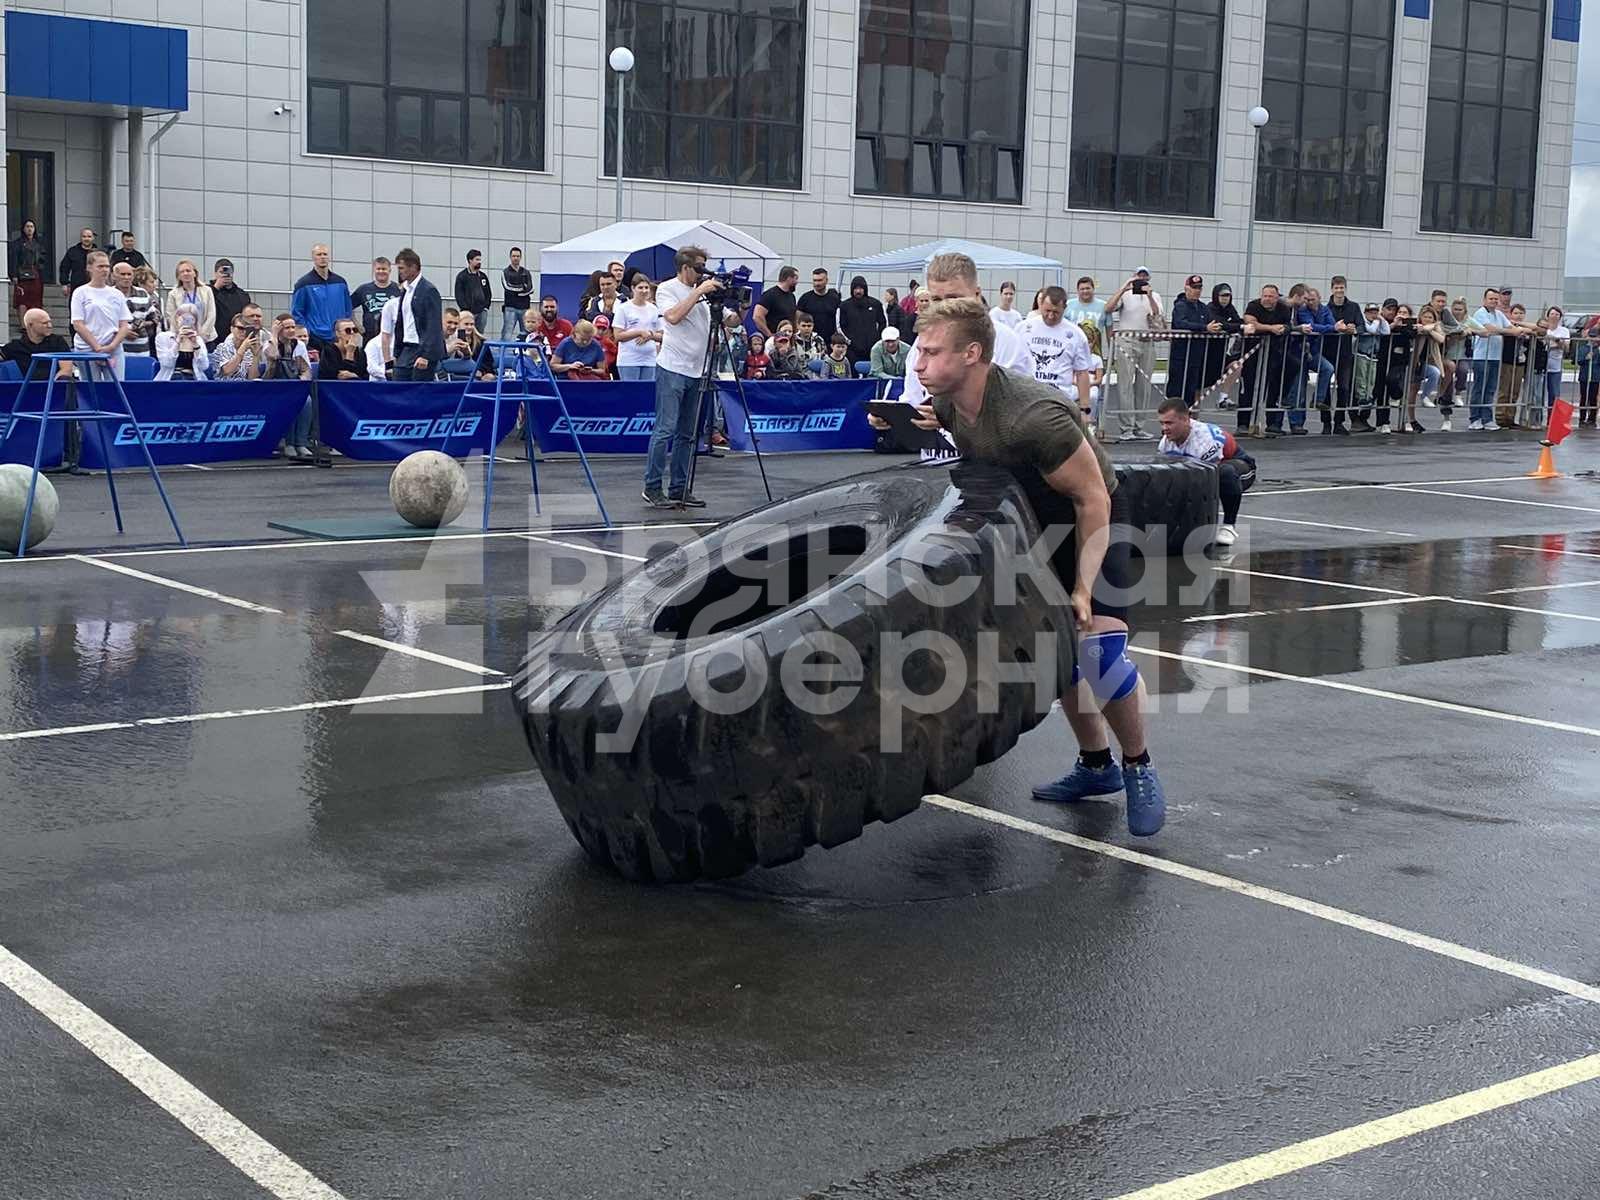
[80, 61]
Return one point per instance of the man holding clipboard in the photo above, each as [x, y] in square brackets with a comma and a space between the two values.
[955, 277]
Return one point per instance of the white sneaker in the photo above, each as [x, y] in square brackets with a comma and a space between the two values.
[1385, 429]
[1491, 427]
[1444, 425]
[1427, 402]
[1143, 435]
[1227, 535]
[1475, 426]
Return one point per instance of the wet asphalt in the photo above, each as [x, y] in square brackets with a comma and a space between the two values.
[366, 932]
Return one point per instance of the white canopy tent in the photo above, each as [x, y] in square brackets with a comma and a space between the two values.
[625, 240]
[913, 260]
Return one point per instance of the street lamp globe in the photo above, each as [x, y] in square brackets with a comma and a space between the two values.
[621, 60]
[1258, 116]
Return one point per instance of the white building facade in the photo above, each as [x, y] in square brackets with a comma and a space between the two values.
[1410, 143]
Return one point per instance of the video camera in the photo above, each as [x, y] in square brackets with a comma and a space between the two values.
[735, 291]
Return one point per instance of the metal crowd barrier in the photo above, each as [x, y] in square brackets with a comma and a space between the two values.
[1274, 382]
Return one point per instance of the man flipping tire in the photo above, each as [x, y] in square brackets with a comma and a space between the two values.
[999, 417]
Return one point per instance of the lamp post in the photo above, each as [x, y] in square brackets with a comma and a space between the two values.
[621, 62]
[1257, 117]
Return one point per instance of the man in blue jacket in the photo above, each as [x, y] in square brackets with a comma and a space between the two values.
[321, 300]
[1313, 319]
[419, 326]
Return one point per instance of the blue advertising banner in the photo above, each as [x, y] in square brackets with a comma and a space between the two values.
[194, 422]
[619, 418]
[795, 415]
[18, 438]
[610, 418]
[387, 421]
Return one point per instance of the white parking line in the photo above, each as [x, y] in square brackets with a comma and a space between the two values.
[1356, 487]
[1330, 525]
[1543, 587]
[1345, 1142]
[214, 1125]
[416, 652]
[176, 586]
[1422, 491]
[1543, 612]
[1299, 904]
[548, 541]
[1333, 583]
[1315, 608]
[25, 735]
[324, 543]
[1549, 550]
[1377, 693]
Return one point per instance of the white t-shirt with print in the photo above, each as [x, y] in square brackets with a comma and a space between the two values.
[102, 309]
[1556, 343]
[1059, 351]
[683, 346]
[637, 352]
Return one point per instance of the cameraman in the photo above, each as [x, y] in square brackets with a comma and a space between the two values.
[685, 340]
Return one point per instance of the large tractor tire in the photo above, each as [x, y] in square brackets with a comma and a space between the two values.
[1178, 495]
[708, 794]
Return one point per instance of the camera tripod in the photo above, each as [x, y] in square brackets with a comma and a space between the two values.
[718, 343]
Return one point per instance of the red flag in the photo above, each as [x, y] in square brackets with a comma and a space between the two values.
[1560, 422]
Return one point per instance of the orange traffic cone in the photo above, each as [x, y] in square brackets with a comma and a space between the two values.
[1547, 464]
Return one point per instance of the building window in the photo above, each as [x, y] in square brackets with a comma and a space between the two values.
[718, 92]
[1480, 151]
[396, 79]
[941, 97]
[1146, 75]
[1324, 154]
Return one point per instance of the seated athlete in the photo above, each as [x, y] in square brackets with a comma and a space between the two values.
[1020, 423]
[1184, 437]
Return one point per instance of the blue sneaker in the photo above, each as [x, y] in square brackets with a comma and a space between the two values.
[1147, 803]
[1081, 783]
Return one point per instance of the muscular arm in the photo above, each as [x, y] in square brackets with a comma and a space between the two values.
[1080, 480]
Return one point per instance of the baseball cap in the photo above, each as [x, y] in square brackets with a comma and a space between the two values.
[891, 334]
[1391, 302]
[223, 262]
[1371, 307]
[1193, 281]
[1142, 271]
[601, 322]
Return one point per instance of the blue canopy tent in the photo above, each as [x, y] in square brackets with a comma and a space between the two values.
[564, 269]
[914, 260]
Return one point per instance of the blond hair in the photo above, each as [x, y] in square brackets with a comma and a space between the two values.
[953, 268]
[583, 327]
[968, 320]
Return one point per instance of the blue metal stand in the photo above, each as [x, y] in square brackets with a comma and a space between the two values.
[532, 381]
[95, 414]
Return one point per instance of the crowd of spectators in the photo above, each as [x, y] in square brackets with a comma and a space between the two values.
[1373, 367]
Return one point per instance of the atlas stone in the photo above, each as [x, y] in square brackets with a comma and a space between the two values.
[428, 489]
[14, 479]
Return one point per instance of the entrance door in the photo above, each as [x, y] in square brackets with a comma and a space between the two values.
[31, 195]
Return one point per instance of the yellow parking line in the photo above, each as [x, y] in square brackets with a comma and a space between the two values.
[1393, 1128]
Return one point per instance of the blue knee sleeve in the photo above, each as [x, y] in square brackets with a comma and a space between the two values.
[1105, 663]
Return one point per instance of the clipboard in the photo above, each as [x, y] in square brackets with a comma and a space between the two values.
[900, 417]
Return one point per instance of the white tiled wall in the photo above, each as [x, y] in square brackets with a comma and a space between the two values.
[234, 182]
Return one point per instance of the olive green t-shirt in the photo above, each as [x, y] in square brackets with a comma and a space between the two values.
[1023, 423]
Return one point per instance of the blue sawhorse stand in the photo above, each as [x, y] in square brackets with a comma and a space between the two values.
[530, 381]
[95, 414]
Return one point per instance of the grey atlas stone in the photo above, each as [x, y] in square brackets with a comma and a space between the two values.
[14, 479]
[428, 489]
